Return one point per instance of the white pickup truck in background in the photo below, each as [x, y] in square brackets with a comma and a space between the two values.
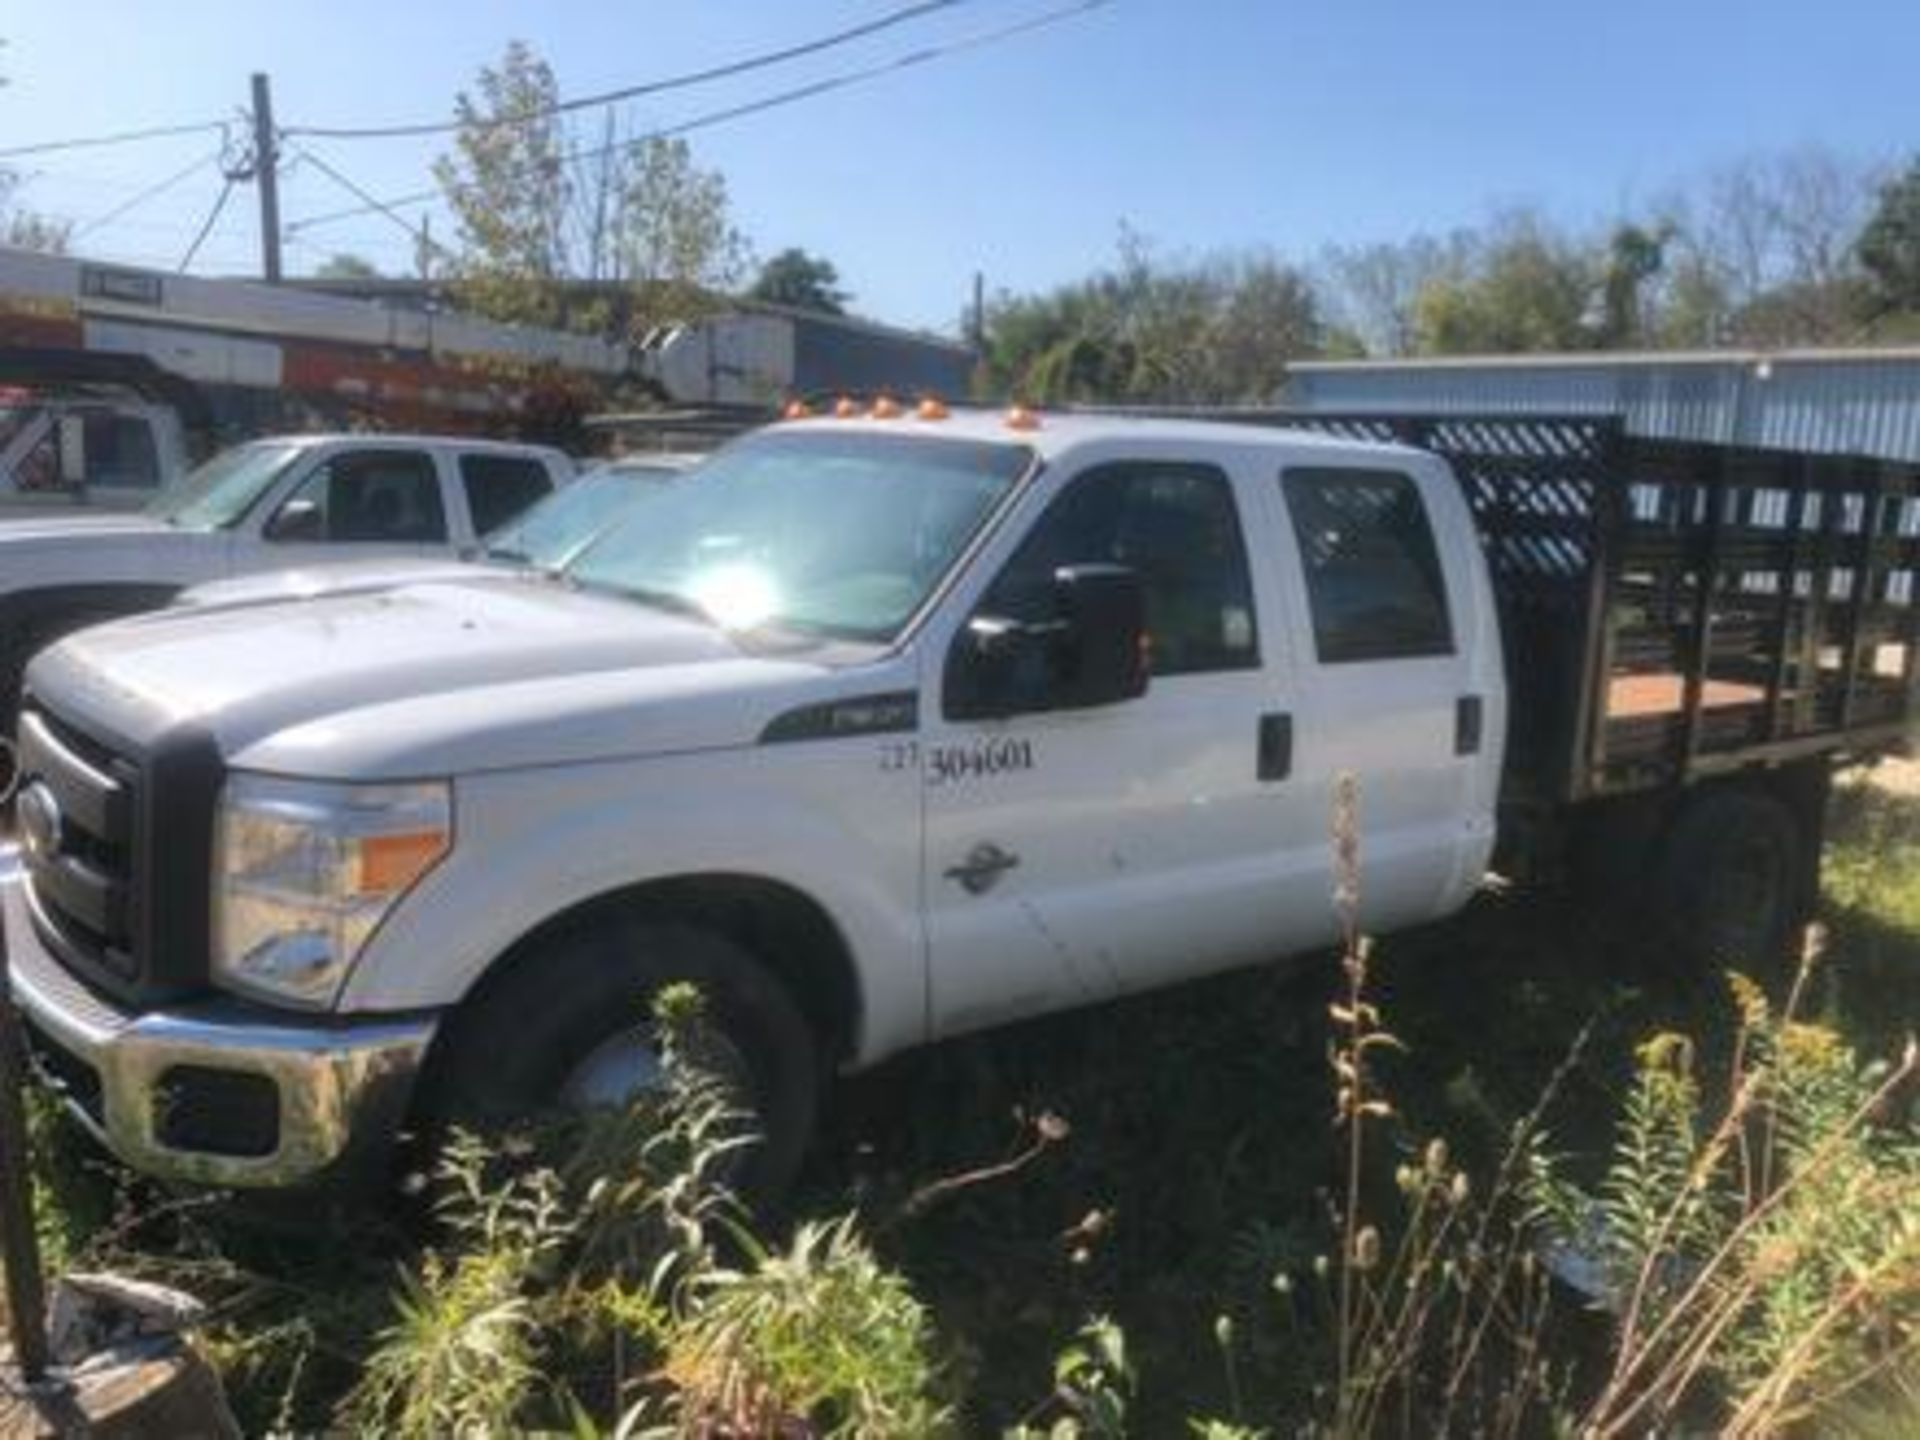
[887, 729]
[270, 504]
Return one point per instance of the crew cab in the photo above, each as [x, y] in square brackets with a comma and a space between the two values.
[891, 728]
[278, 503]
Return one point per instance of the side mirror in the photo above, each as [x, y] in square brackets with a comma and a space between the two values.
[1093, 652]
[298, 519]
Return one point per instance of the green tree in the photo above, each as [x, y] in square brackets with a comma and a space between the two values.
[24, 229]
[538, 208]
[1890, 243]
[1635, 257]
[1210, 332]
[803, 281]
[346, 266]
[1529, 289]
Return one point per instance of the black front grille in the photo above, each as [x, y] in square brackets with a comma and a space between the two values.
[118, 853]
[76, 813]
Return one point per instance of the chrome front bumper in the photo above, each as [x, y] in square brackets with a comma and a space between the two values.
[342, 1088]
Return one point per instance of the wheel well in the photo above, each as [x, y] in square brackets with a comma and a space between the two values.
[786, 930]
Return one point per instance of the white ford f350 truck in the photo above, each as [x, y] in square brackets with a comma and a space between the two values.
[883, 729]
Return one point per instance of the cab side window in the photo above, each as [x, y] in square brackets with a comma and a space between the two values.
[365, 496]
[1175, 525]
[499, 487]
[1374, 584]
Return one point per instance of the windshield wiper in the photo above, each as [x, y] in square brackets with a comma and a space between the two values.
[510, 553]
[669, 600]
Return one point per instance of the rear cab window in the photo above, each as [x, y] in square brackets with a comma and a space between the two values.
[499, 488]
[1375, 588]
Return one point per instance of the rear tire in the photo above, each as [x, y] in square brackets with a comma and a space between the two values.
[1731, 879]
[521, 1043]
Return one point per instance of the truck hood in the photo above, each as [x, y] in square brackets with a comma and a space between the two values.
[308, 582]
[54, 525]
[105, 550]
[493, 672]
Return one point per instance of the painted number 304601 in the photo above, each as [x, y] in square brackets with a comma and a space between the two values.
[950, 764]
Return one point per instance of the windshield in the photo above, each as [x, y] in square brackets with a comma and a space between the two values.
[840, 534]
[552, 532]
[218, 493]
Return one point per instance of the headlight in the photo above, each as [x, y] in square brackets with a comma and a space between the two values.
[306, 872]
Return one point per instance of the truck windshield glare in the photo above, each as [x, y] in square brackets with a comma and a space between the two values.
[841, 535]
[220, 492]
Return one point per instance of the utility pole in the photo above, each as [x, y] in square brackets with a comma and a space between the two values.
[266, 171]
[979, 325]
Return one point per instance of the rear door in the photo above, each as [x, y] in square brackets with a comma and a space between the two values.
[497, 489]
[1392, 631]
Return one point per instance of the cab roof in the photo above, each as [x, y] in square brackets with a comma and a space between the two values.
[1055, 434]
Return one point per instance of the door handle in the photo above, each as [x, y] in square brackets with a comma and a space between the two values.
[1469, 723]
[982, 868]
[1276, 746]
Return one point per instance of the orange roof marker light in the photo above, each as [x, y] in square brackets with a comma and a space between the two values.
[886, 408]
[846, 408]
[931, 408]
[797, 410]
[1023, 417]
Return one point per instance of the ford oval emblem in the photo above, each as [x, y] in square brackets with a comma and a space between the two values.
[42, 828]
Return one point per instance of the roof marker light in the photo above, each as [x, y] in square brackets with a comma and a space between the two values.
[1023, 417]
[886, 408]
[932, 408]
[797, 410]
[845, 408]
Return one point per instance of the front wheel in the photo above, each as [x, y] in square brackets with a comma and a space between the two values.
[571, 1029]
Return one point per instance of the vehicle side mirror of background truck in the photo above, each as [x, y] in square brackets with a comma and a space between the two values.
[1093, 652]
[297, 520]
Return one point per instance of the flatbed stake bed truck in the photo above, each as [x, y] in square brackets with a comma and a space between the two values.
[886, 729]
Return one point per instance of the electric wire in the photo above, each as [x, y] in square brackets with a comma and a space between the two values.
[150, 193]
[633, 92]
[213, 215]
[124, 137]
[817, 88]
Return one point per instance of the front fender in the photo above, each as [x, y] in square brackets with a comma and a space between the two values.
[531, 845]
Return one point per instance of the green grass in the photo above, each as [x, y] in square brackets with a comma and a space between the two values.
[1201, 1160]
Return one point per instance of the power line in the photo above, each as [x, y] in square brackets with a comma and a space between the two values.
[752, 107]
[206, 229]
[377, 206]
[631, 92]
[124, 137]
[151, 192]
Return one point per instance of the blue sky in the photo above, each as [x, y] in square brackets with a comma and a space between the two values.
[1203, 125]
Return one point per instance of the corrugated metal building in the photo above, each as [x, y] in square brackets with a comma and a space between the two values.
[1856, 402]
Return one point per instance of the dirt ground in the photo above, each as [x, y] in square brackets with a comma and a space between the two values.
[1898, 777]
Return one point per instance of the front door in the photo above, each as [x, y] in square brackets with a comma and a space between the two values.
[355, 504]
[1073, 855]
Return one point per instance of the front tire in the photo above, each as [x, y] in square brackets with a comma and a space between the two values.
[534, 1042]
